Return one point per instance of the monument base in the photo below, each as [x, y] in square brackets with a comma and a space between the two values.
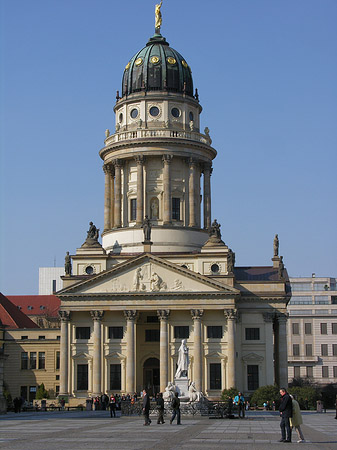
[182, 385]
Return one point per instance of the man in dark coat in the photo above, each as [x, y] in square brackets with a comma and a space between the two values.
[286, 411]
[146, 407]
[176, 409]
[160, 408]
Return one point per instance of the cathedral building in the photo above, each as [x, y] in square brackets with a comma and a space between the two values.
[163, 273]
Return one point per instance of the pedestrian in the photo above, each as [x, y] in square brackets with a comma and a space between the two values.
[274, 405]
[160, 408]
[176, 409]
[240, 403]
[146, 407]
[112, 406]
[296, 419]
[285, 413]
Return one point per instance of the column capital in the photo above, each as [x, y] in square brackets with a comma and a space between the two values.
[231, 314]
[282, 317]
[130, 314]
[163, 314]
[207, 167]
[192, 161]
[140, 159]
[167, 158]
[117, 162]
[108, 169]
[64, 316]
[197, 313]
[97, 315]
[268, 317]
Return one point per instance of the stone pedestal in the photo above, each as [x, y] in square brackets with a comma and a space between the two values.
[182, 386]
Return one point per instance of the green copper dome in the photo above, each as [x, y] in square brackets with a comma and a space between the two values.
[157, 67]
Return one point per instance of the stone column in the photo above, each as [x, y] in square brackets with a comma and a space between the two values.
[163, 315]
[207, 195]
[232, 316]
[64, 355]
[118, 194]
[112, 195]
[97, 352]
[192, 192]
[140, 190]
[269, 367]
[107, 198]
[131, 317]
[197, 347]
[282, 350]
[167, 209]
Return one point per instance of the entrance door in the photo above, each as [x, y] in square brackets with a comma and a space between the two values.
[151, 376]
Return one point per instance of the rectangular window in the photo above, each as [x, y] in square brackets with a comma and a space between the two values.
[321, 300]
[215, 376]
[296, 349]
[57, 390]
[57, 377]
[301, 287]
[82, 377]
[151, 335]
[334, 328]
[319, 286]
[24, 360]
[32, 360]
[252, 377]
[297, 371]
[133, 209]
[307, 328]
[308, 349]
[335, 371]
[115, 332]
[296, 328]
[334, 349]
[252, 334]
[324, 349]
[214, 332]
[54, 286]
[24, 338]
[310, 371]
[301, 300]
[57, 361]
[181, 332]
[82, 332]
[325, 371]
[115, 377]
[42, 360]
[24, 392]
[334, 300]
[324, 328]
[175, 208]
[41, 338]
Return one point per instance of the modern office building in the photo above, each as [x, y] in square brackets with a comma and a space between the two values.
[312, 329]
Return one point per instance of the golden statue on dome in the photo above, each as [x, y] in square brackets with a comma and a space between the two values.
[159, 19]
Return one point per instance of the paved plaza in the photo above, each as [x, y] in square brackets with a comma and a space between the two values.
[97, 431]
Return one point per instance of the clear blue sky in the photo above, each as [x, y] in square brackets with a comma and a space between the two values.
[266, 72]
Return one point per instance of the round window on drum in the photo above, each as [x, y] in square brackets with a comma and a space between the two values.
[154, 111]
[175, 112]
[134, 113]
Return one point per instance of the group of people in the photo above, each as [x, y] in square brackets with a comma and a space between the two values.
[175, 404]
[290, 417]
[112, 402]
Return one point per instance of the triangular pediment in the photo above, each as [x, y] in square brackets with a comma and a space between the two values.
[252, 357]
[147, 274]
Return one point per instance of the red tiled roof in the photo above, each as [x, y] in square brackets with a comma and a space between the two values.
[12, 317]
[37, 305]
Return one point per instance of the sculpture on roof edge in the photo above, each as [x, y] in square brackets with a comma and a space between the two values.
[230, 261]
[276, 245]
[158, 15]
[67, 264]
[93, 232]
[183, 360]
[147, 229]
[215, 230]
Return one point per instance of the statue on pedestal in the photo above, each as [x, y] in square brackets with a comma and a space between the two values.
[67, 264]
[276, 245]
[169, 393]
[147, 229]
[158, 15]
[183, 360]
[195, 395]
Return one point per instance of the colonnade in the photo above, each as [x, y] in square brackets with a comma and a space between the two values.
[113, 192]
[280, 349]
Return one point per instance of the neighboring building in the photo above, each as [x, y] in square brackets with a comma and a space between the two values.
[32, 358]
[128, 303]
[3, 405]
[50, 280]
[312, 329]
[42, 309]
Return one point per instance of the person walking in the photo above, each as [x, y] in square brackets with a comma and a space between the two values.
[160, 408]
[240, 403]
[296, 419]
[112, 406]
[285, 413]
[176, 409]
[146, 408]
